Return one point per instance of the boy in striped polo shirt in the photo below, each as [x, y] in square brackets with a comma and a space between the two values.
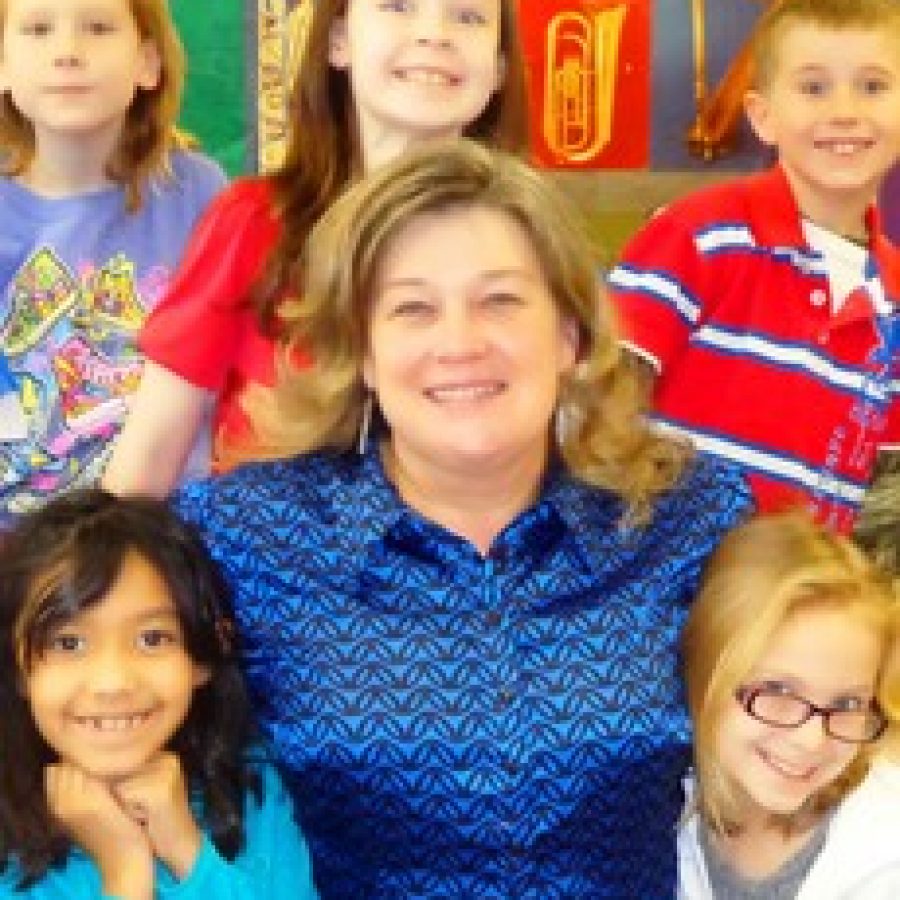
[766, 307]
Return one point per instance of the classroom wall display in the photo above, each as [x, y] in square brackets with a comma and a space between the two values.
[615, 84]
[890, 205]
[241, 54]
[281, 29]
[220, 102]
[588, 64]
[694, 44]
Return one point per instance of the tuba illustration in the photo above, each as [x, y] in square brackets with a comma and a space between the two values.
[580, 85]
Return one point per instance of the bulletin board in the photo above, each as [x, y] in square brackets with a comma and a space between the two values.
[240, 57]
[614, 83]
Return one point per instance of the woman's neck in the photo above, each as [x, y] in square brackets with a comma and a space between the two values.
[475, 504]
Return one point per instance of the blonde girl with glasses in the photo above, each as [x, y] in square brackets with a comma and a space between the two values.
[791, 673]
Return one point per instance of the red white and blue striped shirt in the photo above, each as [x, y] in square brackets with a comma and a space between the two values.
[721, 293]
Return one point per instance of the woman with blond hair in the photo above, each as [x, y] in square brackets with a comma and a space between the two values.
[460, 586]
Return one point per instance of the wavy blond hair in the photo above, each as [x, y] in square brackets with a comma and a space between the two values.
[606, 441]
[149, 133]
[763, 572]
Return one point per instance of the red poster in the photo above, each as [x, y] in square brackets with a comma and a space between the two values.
[589, 77]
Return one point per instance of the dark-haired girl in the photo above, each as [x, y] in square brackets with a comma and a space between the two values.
[124, 768]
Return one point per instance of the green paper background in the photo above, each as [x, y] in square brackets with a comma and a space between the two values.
[215, 107]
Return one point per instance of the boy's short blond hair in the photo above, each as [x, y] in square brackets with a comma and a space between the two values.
[830, 14]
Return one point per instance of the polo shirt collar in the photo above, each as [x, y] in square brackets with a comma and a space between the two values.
[775, 221]
[774, 217]
[594, 517]
[366, 503]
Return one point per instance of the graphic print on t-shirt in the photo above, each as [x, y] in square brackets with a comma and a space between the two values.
[68, 339]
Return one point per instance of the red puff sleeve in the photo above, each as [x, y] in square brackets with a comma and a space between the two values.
[203, 327]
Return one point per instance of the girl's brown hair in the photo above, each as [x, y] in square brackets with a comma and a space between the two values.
[323, 152]
[149, 133]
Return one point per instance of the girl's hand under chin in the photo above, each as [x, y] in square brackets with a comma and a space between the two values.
[90, 814]
[156, 798]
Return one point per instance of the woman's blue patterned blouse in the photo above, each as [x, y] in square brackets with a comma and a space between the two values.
[455, 725]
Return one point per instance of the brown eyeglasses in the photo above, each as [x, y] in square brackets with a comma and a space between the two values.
[774, 705]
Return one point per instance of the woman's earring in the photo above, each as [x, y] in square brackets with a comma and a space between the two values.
[365, 424]
[562, 421]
